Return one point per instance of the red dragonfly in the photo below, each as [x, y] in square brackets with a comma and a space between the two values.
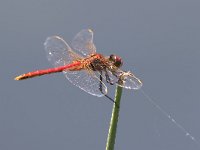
[83, 67]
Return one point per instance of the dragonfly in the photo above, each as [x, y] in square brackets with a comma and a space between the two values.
[83, 67]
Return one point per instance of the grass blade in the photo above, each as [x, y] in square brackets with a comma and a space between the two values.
[114, 119]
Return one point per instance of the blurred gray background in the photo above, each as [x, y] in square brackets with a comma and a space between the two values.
[158, 40]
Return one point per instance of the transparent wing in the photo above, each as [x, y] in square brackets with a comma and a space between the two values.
[83, 42]
[58, 51]
[86, 81]
[124, 79]
[129, 81]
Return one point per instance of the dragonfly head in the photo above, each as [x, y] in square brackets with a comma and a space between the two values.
[116, 60]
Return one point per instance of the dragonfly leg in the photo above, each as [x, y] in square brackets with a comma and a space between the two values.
[108, 80]
[100, 88]
[100, 84]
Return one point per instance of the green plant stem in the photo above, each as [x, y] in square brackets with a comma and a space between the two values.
[114, 119]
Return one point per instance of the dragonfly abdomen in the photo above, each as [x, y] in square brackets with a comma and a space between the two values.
[46, 71]
[37, 73]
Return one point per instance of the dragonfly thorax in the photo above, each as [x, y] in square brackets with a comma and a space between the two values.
[97, 64]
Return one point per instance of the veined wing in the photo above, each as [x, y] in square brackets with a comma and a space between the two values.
[59, 54]
[87, 81]
[124, 79]
[83, 42]
[129, 81]
[58, 51]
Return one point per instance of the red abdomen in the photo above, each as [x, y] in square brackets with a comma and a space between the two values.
[72, 66]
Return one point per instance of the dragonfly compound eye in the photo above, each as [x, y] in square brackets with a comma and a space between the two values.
[117, 61]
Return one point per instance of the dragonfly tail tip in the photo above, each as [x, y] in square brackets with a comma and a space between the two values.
[18, 78]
